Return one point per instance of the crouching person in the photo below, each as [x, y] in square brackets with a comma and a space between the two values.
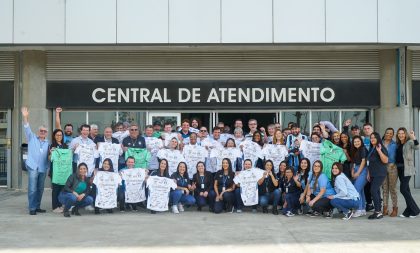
[76, 191]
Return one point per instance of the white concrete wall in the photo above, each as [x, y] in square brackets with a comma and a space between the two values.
[208, 21]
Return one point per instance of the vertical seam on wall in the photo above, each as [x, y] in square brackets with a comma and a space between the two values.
[377, 21]
[13, 22]
[272, 21]
[168, 21]
[116, 21]
[221, 20]
[65, 22]
[325, 21]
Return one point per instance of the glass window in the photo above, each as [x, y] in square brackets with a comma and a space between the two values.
[357, 117]
[102, 119]
[331, 116]
[299, 117]
[137, 117]
[74, 118]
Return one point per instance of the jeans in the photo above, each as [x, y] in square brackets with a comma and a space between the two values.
[56, 189]
[345, 204]
[226, 203]
[375, 191]
[69, 199]
[202, 201]
[273, 197]
[412, 209]
[238, 199]
[359, 184]
[322, 205]
[390, 185]
[177, 196]
[292, 200]
[35, 188]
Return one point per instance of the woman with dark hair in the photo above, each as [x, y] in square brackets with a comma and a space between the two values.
[390, 184]
[346, 197]
[318, 190]
[224, 188]
[59, 152]
[345, 144]
[76, 191]
[202, 184]
[359, 169]
[405, 164]
[163, 170]
[268, 188]
[303, 174]
[231, 152]
[377, 159]
[181, 195]
[292, 190]
[107, 166]
[257, 138]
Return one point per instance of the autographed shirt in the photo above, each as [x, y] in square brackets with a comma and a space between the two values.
[158, 194]
[106, 189]
[248, 180]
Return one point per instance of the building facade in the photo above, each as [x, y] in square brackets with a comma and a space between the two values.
[140, 61]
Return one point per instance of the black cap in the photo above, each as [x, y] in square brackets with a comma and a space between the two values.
[156, 123]
[355, 127]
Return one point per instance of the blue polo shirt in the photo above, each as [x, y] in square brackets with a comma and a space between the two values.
[37, 151]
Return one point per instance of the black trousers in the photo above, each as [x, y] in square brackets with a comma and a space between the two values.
[375, 191]
[368, 196]
[322, 205]
[56, 189]
[412, 209]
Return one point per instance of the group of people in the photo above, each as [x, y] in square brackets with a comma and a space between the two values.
[281, 170]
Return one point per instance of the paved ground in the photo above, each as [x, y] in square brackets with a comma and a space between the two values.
[193, 231]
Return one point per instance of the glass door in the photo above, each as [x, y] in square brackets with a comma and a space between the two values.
[5, 147]
[173, 117]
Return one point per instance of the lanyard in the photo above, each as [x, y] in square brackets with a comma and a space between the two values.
[224, 180]
[202, 179]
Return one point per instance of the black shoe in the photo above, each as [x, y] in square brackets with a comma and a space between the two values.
[97, 210]
[265, 210]
[275, 211]
[75, 211]
[33, 212]
[66, 214]
[376, 215]
[109, 211]
[127, 208]
[211, 209]
[135, 208]
[152, 212]
[369, 207]
[122, 209]
[39, 210]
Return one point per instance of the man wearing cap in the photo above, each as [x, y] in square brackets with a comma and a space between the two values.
[36, 164]
[157, 129]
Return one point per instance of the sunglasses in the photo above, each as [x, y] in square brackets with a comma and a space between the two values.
[203, 131]
[133, 129]
[43, 131]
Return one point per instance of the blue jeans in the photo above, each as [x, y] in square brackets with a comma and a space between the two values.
[35, 188]
[202, 201]
[359, 184]
[345, 204]
[273, 197]
[178, 196]
[292, 200]
[69, 199]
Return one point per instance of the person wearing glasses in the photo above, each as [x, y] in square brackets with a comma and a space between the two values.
[37, 163]
[133, 140]
[202, 135]
[252, 124]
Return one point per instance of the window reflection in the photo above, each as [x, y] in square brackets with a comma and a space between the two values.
[299, 117]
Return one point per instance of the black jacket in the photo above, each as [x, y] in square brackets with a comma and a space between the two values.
[208, 182]
[72, 183]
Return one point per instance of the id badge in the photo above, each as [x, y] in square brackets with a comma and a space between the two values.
[223, 189]
[202, 186]
[287, 189]
[367, 163]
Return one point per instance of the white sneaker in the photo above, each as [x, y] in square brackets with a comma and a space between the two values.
[413, 216]
[270, 207]
[58, 210]
[180, 207]
[90, 208]
[239, 210]
[290, 214]
[175, 209]
[358, 213]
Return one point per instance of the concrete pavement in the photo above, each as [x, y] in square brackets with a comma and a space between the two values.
[197, 231]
